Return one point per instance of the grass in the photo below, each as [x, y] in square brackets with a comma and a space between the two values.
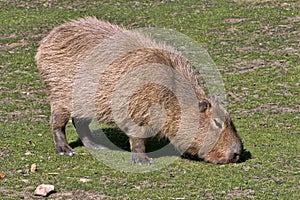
[255, 44]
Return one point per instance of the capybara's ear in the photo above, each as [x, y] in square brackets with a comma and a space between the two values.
[214, 97]
[227, 120]
[203, 105]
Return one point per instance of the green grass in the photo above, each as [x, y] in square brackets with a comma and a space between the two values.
[259, 61]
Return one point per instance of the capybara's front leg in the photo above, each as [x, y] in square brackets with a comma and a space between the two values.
[137, 146]
[59, 119]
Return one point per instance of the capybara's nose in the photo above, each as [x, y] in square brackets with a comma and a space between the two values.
[237, 152]
[236, 157]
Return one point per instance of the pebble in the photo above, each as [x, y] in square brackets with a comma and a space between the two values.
[43, 190]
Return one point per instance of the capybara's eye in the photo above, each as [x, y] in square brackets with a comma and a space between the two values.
[218, 124]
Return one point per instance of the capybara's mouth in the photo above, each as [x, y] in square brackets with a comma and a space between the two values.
[233, 158]
[236, 158]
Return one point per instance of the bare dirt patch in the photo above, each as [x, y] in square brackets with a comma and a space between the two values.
[9, 46]
[243, 66]
[3, 154]
[273, 108]
[260, 4]
[291, 19]
[234, 20]
[79, 194]
[70, 5]
[238, 193]
[259, 1]
[28, 193]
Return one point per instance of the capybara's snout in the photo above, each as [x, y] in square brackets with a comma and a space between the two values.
[225, 155]
[233, 154]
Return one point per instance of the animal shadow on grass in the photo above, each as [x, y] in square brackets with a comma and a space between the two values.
[115, 139]
[246, 155]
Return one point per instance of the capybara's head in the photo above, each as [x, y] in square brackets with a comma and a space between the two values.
[221, 143]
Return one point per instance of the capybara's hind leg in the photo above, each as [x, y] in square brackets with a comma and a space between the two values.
[59, 119]
[139, 156]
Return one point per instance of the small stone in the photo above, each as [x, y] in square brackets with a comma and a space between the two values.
[33, 168]
[84, 180]
[53, 173]
[43, 190]
[246, 168]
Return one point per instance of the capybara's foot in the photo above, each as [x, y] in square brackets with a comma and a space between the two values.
[141, 159]
[65, 149]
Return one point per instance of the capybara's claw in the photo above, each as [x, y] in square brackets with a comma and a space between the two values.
[65, 150]
[141, 159]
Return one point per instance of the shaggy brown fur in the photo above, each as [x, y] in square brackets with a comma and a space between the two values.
[71, 48]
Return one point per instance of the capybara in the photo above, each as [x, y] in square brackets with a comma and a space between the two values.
[69, 59]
